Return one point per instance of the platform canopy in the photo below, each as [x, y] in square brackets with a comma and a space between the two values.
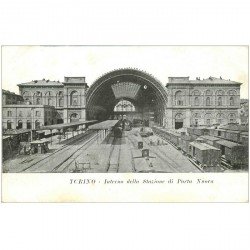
[66, 125]
[104, 125]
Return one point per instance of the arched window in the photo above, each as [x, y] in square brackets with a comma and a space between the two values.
[196, 117]
[232, 118]
[37, 124]
[196, 101]
[60, 102]
[124, 106]
[231, 101]
[27, 97]
[38, 101]
[219, 101]
[179, 98]
[219, 118]
[60, 99]
[9, 125]
[208, 119]
[74, 98]
[74, 117]
[28, 124]
[19, 124]
[49, 101]
[208, 103]
[178, 121]
[48, 98]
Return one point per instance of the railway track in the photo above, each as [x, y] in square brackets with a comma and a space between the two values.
[57, 156]
[225, 165]
[170, 143]
[161, 155]
[72, 157]
[131, 154]
[114, 156]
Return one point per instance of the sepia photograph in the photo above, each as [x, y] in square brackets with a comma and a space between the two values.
[125, 109]
[125, 125]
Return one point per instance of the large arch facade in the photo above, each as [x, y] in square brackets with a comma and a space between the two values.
[143, 90]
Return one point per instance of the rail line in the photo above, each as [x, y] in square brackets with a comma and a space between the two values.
[114, 157]
[61, 150]
[163, 159]
[170, 143]
[131, 154]
[75, 154]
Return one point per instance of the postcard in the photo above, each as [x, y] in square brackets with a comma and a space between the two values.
[125, 123]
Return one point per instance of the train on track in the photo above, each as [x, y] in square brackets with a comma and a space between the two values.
[122, 125]
[208, 147]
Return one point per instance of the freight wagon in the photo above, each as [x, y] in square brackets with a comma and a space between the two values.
[170, 136]
[210, 140]
[234, 153]
[205, 154]
[184, 143]
[244, 138]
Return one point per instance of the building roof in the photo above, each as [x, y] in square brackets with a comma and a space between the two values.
[233, 127]
[209, 137]
[16, 131]
[210, 80]
[27, 106]
[65, 125]
[227, 144]
[42, 82]
[104, 125]
[202, 146]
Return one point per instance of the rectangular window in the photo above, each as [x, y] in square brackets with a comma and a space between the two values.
[9, 113]
[37, 113]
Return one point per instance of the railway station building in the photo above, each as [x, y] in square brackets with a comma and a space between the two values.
[132, 94]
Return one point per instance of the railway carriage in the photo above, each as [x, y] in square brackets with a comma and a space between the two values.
[118, 132]
[205, 154]
[170, 136]
[184, 143]
[234, 153]
[210, 140]
[244, 138]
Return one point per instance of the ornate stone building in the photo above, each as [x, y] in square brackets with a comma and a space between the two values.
[137, 95]
[67, 97]
[201, 102]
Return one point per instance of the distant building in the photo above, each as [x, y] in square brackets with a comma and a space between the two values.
[10, 98]
[201, 102]
[244, 111]
[128, 93]
[22, 116]
[67, 97]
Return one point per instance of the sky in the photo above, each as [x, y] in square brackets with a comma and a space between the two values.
[25, 63]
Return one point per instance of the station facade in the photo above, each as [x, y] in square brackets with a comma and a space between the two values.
[138, 95]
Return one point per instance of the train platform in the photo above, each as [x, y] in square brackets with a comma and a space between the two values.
[94, 152]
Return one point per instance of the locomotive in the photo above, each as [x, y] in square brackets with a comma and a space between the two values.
[120, 127]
